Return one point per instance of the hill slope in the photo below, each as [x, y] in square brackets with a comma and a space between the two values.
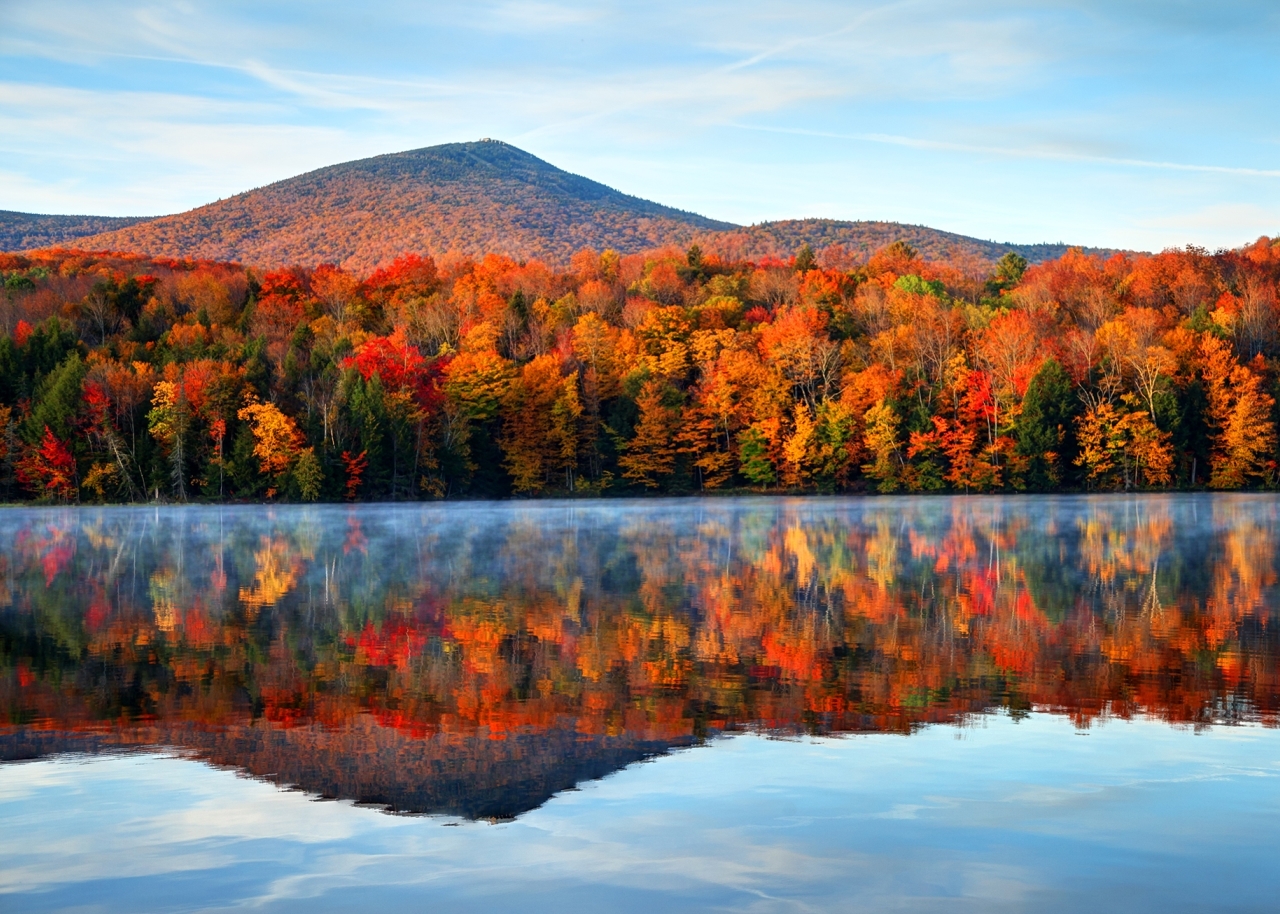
[24, 231]
[861, 239]
[473, 198]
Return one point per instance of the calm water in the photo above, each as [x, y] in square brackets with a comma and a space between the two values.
[764, 705]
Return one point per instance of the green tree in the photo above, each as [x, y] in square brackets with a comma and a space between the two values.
[23, 366]
[1008, 273]
[366, 410]
[56, 401]
[1046, 426]
[753, 457]
[308, 476]
[805, 259]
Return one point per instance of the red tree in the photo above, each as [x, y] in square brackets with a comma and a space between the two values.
[49, 470]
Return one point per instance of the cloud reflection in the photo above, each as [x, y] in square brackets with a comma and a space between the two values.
[744, 824]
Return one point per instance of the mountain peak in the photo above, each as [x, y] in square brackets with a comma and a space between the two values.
[478, 197]
[471, 198]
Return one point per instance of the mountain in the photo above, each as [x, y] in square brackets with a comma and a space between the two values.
[470, 198]
[473, 198]
[24, 231]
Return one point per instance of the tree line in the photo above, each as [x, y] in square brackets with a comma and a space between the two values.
[128, 378]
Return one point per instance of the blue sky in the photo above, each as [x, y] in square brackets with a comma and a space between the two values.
[1134, 124]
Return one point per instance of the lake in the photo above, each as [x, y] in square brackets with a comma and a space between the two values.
[758, 704]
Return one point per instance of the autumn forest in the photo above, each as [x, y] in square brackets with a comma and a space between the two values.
[126, 378]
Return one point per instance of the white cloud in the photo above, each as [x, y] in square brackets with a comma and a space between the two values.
[122, 106]
[190, 149]
[1051, 152]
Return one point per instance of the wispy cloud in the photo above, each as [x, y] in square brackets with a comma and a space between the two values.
[1049, 154]
[90, 142]
[164, 102]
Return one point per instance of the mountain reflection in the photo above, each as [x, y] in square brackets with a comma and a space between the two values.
[475, 659]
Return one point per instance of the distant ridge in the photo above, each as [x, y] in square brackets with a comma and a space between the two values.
[24, 231]
[863, 238]
[469, 198]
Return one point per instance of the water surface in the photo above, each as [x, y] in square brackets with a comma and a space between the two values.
[861, 704]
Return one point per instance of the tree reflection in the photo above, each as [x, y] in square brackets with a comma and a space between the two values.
[475, 659]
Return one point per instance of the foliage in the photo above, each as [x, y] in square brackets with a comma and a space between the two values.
[666, 372]
[49, 470]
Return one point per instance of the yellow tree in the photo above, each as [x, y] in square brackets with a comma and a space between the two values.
[277, 441]
[1244, 435]
[650, 456]
[1122, 448]
[706, 433]
[595, 345]
[800, 449]
[169, 422]
[884, 445]
[816, 452]
[663, 335]
[717, 411]
[1134, 342]
[566, 422]
[476, 383]
[531, 450]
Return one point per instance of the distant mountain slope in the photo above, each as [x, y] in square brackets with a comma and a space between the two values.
[24, 231]
[861, 239]
[473, 198]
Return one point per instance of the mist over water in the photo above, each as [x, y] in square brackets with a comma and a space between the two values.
[475, 661]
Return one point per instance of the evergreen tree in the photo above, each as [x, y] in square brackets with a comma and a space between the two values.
[1008, 273]
[56, 401]
[1045, 433]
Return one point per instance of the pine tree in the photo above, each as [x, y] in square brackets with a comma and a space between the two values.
[805, 259]
[1045, 426]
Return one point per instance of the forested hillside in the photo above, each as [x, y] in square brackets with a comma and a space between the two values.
[467, 199]
[860, 240]
[25, 231]
[123, 377]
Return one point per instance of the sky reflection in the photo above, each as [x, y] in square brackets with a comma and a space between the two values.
[998, 815]
[766, 704]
